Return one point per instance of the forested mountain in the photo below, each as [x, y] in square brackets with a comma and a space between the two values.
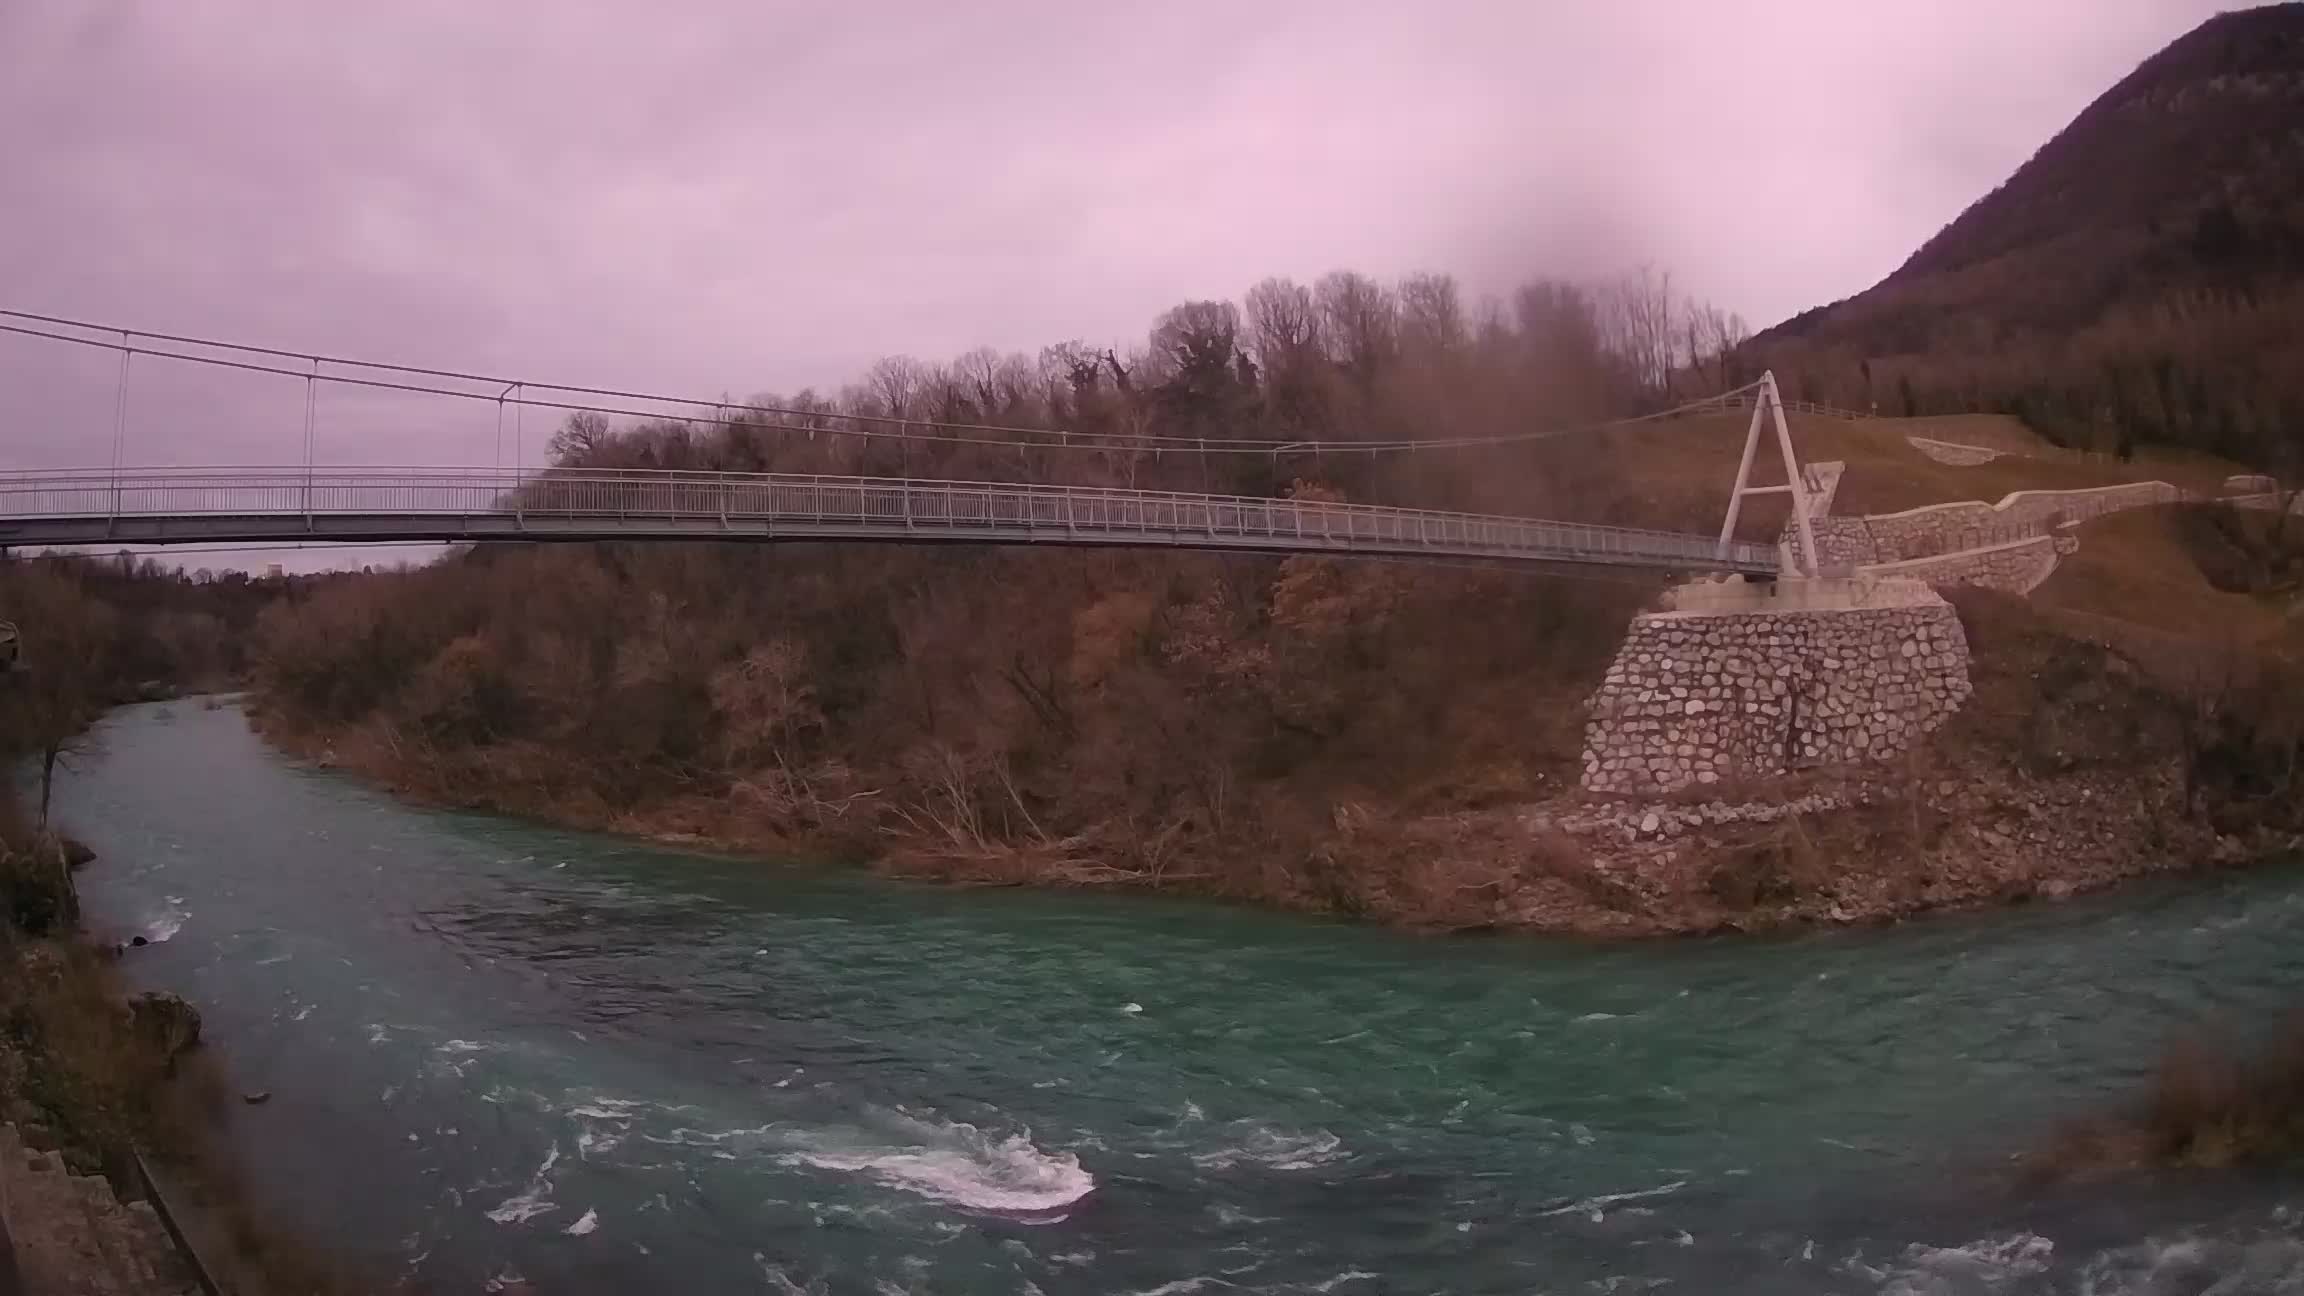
[2140, 279]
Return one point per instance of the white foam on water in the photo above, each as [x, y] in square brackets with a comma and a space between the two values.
[169, 922]
[1987, 1265]
[623, 1109]
[1185, 1286]
[782, 1283]
[1349, 1275]
[585, 1225]
[1277, 1149]
[524, 1207]
[1596, 1208]
[953, 1162]
[2273, 1263]
[1597, 1017]
[537, 1200]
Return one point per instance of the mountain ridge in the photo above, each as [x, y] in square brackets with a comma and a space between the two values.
[2132, 281]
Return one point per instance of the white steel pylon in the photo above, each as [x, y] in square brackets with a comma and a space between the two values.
[1769, 404]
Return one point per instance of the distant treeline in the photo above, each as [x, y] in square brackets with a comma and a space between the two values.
[1346, 359]
[95, 632]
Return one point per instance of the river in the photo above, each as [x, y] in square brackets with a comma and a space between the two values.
[497, 1048]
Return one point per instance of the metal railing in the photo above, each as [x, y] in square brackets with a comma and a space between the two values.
[1744, 399]
[164, 505]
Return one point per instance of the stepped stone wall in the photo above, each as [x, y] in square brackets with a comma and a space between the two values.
[73, 1237]
[1703, 697]
[1842, 540]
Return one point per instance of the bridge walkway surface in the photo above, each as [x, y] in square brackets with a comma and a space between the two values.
[158, 506]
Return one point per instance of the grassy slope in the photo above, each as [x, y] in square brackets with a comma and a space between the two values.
[1685, 467]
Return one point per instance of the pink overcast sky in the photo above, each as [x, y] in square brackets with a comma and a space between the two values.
[735, 196]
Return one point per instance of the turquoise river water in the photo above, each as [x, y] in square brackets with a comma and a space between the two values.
[608, 1067]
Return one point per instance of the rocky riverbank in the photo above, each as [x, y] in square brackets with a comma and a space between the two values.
[101, 1088]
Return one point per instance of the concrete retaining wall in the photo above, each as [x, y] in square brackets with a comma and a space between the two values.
[1696, 698]
[2017, 567]
[1959, 456]
[1944, 528]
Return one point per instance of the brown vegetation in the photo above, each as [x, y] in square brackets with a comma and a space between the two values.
[1308, 732]
[997, 716]
[985, 716]
[98, 632]
[87, 1069]
[2210, 1105]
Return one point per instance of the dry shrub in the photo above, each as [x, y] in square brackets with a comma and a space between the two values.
[1415, 874]
[2050, 703]
[36, 893]
[2209, 1105]
[87, 1063]
[1771, 866]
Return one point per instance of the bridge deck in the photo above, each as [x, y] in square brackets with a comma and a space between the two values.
[166, 506]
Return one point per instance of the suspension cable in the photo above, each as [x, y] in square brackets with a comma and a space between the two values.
[817, 420]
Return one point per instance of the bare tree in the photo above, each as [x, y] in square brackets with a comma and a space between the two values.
[68, 639]
[1432, 320]
[1359, 323]
[579, 438]
[1710, 337]
[977, 374]
[898, 384]
[1636, 323]
[1283, 325]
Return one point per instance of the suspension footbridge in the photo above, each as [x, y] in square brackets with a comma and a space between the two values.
[123, 505]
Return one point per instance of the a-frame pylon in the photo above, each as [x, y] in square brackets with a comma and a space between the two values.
[1768, 404]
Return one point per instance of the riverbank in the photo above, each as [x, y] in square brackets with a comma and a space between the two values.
[104, 1093]
[2071, 769]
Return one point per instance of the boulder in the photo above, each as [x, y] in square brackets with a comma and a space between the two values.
[166, 1022]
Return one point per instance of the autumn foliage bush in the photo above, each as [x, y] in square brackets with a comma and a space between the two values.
[988, 715]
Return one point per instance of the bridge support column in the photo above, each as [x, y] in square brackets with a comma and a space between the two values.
[1768, 406]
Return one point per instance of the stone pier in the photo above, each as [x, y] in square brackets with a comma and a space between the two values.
[1735, 681]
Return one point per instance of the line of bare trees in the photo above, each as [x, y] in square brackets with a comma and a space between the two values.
[1346, 358]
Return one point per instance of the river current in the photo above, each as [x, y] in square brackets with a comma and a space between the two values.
[495, 1049]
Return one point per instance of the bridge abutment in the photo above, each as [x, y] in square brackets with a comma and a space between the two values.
[1739, 680]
